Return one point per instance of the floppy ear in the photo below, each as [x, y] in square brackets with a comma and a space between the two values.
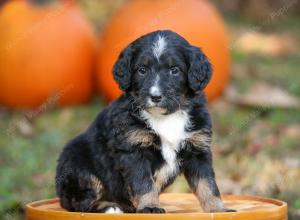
[200, 69]
[122, 69]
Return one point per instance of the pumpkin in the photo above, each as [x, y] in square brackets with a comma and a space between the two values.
[47, 54]
[196, 20]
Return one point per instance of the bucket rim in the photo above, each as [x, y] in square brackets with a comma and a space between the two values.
[278, 212]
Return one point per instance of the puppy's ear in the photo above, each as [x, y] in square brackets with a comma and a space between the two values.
[122, 69]
[200, 69]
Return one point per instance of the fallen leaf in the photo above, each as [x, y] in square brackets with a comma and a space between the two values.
[266, 44]
[263, 95]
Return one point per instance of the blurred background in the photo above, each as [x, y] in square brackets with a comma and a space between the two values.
[55, 76]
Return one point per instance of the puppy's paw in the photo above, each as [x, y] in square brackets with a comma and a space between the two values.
[112, 210]
[151, 210]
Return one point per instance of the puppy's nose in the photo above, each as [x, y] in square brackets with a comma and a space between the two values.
[155, 98]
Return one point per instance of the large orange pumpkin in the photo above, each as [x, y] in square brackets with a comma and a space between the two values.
[45, 50]
[196, 20]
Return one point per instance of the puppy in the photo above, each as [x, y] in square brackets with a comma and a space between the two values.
[158, 128]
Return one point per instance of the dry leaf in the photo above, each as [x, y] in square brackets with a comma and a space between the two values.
[264, 95]
[266, 44]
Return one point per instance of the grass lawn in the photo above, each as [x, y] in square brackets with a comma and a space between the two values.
[256, 150]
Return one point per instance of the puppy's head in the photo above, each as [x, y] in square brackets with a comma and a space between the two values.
[162, 71]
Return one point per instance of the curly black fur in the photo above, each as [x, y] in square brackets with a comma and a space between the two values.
[119, 161]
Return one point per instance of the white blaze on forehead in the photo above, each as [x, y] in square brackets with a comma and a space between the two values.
[159, 46]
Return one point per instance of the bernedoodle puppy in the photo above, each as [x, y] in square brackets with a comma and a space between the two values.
[158, 128]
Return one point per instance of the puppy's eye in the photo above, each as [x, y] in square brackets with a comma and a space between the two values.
[174, 70]
[142, 70]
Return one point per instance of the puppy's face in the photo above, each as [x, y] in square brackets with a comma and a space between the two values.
[161, 71]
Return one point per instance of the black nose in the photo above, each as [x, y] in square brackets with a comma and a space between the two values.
[156, 98]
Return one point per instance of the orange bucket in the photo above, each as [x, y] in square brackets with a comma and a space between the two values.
[179, 206]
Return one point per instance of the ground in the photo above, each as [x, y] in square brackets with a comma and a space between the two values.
[256, 149]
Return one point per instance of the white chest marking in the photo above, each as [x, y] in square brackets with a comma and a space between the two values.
[171, 129]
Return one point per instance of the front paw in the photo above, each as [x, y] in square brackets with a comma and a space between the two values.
[151, 210]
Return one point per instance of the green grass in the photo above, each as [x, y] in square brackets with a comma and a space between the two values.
[28, 161]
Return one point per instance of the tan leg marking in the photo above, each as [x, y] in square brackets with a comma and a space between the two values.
[208, 201]
[150, 199]
[96, 185]
[162, 175]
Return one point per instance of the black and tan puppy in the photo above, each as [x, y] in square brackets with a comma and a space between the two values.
[157, 129]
